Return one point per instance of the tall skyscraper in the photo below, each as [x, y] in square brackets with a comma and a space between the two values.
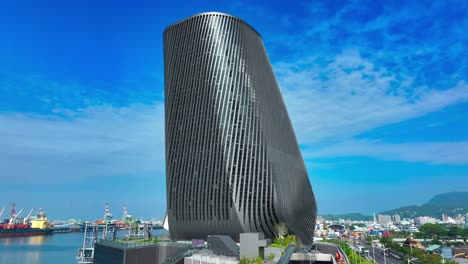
[233, 163]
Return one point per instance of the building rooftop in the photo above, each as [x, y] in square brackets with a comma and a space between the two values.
[432, 247]
[215, 14]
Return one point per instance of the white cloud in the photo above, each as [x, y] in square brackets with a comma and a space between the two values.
[346, 74]
[99, 141]
[454, 153]
[330, 104]
[350, 95]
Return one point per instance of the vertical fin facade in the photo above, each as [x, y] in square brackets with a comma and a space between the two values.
[233, 163]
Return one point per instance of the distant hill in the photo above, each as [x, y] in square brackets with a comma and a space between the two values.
[351, 216]
[452, 204]
[451, 199]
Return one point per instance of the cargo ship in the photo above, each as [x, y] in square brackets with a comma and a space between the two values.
[35, 227]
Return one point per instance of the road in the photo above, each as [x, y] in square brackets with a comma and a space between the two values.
[379, 257]
[329, 248]
[389, 259]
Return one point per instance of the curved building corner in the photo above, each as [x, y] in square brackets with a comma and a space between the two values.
[233, 163]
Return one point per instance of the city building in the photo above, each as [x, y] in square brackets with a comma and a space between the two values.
[233, 164]
[466, 220]
[113, 252]
[445, 217]
[320, 220]
[459, 219]
[384, 219]
[396, 219]
[406, 222]
[419, 221]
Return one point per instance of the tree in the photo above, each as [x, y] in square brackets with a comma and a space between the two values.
[281, 230]
[464, 234]
[271, 257]
[433, 259]
[454, 232]
[386, 241]
[432, 230]
[245, 260]
[258, 260]
[290, 239]
[135, 226]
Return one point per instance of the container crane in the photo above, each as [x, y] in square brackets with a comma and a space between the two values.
[125, 213]
[25, 220]
[12, 213]
[126, 216]
[13, 210]
[13, 217]
[107, 214]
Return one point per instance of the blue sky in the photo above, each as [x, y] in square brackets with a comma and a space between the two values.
[377, 93]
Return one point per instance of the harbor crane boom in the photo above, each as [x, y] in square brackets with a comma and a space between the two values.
[25, 220]
[13, 217]
[3, 210]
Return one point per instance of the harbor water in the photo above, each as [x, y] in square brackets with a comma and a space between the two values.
[60, 248]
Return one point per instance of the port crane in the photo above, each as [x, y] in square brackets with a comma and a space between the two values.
[107, 214]
[25, 220]
[3, 210]
[14, 216]
[126, 216]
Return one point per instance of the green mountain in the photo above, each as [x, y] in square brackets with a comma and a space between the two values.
[452, 204]
[452, 199]
[351, 216]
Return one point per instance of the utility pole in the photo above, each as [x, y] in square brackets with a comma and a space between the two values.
[373, 249]
[384, 259]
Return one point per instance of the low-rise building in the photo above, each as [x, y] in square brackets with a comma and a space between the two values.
[424, 220]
